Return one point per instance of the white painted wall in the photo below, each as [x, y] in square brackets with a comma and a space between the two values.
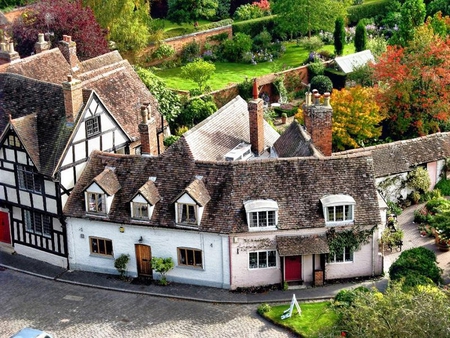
[41, 255]
[163, 243]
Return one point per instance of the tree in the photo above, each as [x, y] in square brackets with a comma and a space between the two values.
[126, 21]
[121, 264]
[322, 83]
[181, 11]
[304, 16]
[199, 71]
[196, 110]
[57, 18]
[422, 312]
[339, 36]
[162, 266]
[413, 14]
[360, 37]
[169, 104]
[414, 83]
[356, 117]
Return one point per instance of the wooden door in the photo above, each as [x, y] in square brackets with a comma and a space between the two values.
[143, 260]
[292, 268]
[5, 234]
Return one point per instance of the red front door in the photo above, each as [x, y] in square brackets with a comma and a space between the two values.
[292, 268]
[5, 235]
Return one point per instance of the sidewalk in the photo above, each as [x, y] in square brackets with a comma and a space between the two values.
[216, 295]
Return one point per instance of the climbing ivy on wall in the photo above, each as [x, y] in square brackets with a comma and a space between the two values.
[353, 238]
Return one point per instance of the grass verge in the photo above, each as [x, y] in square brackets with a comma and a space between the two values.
[315, 317]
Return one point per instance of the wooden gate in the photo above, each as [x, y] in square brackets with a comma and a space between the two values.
[143, 260]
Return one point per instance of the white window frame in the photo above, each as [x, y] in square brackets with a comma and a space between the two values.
[13, 141]
[92, 203]
[185, 259]
[260, 259]
[37, 223]
[348, 256]
[262, 215]
[338, 209]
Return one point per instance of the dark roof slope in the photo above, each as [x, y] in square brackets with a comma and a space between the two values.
[295, 142]
[40, 124]
[296, 184]
[402, 156]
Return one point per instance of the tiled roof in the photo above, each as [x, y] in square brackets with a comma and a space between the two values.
[302, 245]
[212, 138]
[295, 142]
[107, 180]
[198, 192]
[149, 192]
[402, 156]
[43, 128]
[296, 184]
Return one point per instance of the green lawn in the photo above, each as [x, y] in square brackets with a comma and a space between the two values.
[229, 73]
[314, 318]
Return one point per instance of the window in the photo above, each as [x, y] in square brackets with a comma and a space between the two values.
[38, 223]
[140, 210]
[262, 219]
[346, 255]
[92, 126]
[190, 257]
[340, 213]
[101, 246]
[187, 213]
[261, 214]
[338, 209]
[262, 259]
[96, 203]
[29, 179]
[14, 141]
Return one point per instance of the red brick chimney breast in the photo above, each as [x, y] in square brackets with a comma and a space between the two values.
[73, 98]
[256, 123]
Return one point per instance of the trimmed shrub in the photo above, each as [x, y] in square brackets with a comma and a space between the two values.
[360, 37]
[255, 26]
[339, 36]
[444, 186]
[322, 83]
[234, 49]
[367, 10]
[316, 68]
[416, 266]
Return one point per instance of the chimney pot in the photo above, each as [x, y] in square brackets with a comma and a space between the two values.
[41, 37]
[2, 47]
[255, 89]
[317, 98]
[327, 99]
[11, 47]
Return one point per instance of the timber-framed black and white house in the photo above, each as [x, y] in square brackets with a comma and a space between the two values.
[54, 111]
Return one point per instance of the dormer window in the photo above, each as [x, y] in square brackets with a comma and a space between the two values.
[190, 204]
[261, 214]
[143, 202]
[100, 193]
[96, 202]
[338, 209]
[139, 210]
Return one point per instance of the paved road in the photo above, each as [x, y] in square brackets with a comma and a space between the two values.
[76, 311]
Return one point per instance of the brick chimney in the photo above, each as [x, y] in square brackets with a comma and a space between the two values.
[41, 45]
[7, 52]
[318, 122]
[147, 131]
[68, 48]
[73, 97]
[256, 121]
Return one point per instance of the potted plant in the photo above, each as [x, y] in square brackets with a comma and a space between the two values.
[283, 118]
[441, 223]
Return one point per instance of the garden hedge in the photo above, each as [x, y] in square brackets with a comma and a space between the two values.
[366, 10]
[255, 26]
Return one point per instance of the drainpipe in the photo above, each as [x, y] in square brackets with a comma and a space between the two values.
[229, 254]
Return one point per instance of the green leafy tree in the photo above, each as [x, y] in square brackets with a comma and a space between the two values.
[197, 110]
[436, 6]
[412, 15]
[181, 11]
[199, 71]
[162, 266]
[356, 117]
[339, 36]
[169, 104]
[360, 37]
[301, 17]
[126, 21]
[235, 48]
[421, 312]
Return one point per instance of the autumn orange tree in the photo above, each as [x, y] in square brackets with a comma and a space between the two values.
[414, 85]
[356, 117]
